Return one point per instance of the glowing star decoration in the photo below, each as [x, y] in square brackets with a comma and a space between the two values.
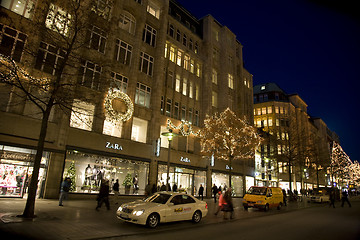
[115, 116]
[185, 128]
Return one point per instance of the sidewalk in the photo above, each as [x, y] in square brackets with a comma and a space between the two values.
[79, 220]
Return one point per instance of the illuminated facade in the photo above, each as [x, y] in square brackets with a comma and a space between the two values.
[150, 60]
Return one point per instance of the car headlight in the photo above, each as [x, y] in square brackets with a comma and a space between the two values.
[138, 213]
[259, 201]
[120, 209]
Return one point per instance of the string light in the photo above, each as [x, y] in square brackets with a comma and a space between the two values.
[181, 127]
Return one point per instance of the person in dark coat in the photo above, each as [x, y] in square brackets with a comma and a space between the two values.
[344, 198]
[228, 206]
[332, 198]
[103, 196]
[64, 191]
[174, 187]
[116, 190]
[284, 197]
[201, 192]
[214, 191]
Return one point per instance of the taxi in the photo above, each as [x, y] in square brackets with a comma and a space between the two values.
[163, 207]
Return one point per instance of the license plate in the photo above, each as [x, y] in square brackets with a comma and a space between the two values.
[124, 215]
[251, 204]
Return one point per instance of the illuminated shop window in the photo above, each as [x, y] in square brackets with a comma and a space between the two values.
[82, 115]
[139, 130]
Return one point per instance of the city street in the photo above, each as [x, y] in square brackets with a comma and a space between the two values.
[79, 220]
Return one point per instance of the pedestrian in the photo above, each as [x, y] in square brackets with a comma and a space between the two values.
[214, 191]
[345, 198]
[64, 191]
[332, 198]
[148, 190]
[163, 187]
[221, 202]
[116, 190]
[174, 187]
[284, 196]
[228, 206]
[201, 192]
[103, 196]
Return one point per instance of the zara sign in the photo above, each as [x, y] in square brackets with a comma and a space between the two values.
[113, 146]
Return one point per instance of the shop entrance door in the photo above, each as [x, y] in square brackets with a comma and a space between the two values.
[185, 182]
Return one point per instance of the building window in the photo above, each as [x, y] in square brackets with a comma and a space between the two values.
[49, 58]
[214, 76]
[168, 107]
[142, 95]
[90, 75]
[183, 113]
[146, 63]
[176, 110]
[119, 82]
[198, 70]
[184, 86]
[191, 89]
[171, 31]
[12, 42]
[277, 122]
[276, 109]
[179, 58]
[58, 20]
[82, 115]
[170, 80]
[122, 52]
[23, 7]
[177, 83]
[149, 35]
[197, 122]
[230, 81]
[178, 35]
[139, 130]
[172, 54]
[184, 40]
[103, 8]
[192, 66]
[127, 22]
[186, 62]
[196, 49]
[97, 39]
[197, 92]
[153, 9]
[263, 110]
[270, 122]
[266, 97]
[190, 115]
[190, 44]
[269, 109]
[214, 99]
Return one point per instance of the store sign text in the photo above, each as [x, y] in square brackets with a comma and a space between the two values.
[227, 167]
[182, 159]
[113, 146]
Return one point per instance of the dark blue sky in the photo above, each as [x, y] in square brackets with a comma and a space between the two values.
[306, 47]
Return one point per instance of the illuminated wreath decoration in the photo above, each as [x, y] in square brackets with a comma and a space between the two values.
[113, 115]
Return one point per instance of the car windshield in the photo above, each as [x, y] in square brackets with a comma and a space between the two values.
[257, 191]
[158, 198]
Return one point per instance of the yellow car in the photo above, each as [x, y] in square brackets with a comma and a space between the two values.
[263, 198]
[163, 207]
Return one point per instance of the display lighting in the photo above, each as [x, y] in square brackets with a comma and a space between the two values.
[185, 128]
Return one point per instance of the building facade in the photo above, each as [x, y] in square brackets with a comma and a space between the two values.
[144, 67]
[297, 147]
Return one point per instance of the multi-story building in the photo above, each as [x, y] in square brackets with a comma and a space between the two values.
[292, 138]
[151, 64]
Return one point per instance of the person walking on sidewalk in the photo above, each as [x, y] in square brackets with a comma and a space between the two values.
[201, 192]
[284, 197]
[228, 205]
[214, 191]
[103, 195]
[345, 198]
[332, 197]
[221, 203]
[116, 190]
[64, 191]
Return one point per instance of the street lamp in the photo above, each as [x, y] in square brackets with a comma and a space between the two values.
[170, 135]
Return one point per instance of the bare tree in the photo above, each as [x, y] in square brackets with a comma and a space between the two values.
[65, 28]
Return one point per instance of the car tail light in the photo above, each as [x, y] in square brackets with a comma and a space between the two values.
[206, 206]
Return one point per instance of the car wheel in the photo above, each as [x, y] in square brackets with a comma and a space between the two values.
[266, 208]
[279, 206]
[153, 220]
[196, 217]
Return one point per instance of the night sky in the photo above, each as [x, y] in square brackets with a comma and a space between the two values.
[311, 48]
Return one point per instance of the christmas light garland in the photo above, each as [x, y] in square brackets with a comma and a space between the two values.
[113, 115]
[183, 131]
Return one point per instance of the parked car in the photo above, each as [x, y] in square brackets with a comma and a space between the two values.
[320, 195]
[263, 198]
[163, 207]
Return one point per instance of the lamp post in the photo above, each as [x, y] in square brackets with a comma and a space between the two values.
[170, 135]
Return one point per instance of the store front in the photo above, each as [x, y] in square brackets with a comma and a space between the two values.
[16, 171]
[222, 180]
[87, 171]
[186, 179]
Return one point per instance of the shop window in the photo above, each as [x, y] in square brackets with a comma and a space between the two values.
[127, 22]
[12, 42]
[49, 58]
[88, 171]
[58, 20]
[139, 130]
[23, 7]
[82, 115]
[112, 129]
